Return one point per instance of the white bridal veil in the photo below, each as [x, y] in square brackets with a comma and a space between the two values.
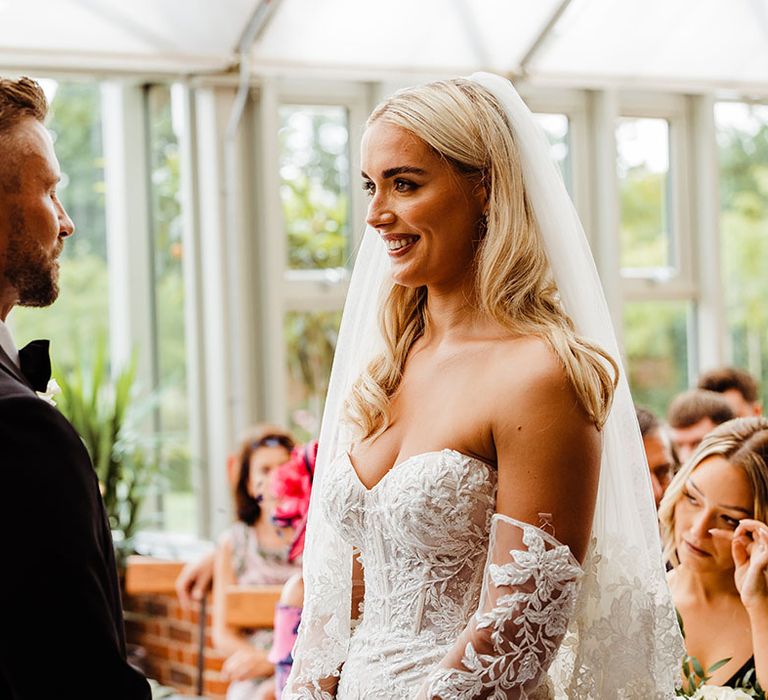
[623, 640]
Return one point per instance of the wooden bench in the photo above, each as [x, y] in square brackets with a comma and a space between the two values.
[149, 575]
[251, 607]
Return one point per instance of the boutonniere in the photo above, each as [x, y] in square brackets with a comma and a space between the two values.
[51, 390]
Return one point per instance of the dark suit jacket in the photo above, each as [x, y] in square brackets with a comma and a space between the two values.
[61, 620]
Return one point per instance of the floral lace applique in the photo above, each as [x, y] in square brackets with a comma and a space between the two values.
[531, 599]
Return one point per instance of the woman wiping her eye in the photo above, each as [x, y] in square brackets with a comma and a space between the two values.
[713, 518]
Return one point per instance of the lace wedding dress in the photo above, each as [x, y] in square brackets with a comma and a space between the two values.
[423, 537]
[463, 603]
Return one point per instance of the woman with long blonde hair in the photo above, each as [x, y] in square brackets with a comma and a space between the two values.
[468, 443]
[714, 519]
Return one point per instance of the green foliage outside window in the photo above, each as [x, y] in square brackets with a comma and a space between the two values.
[172, 413]
[314, 185]
[81, 313]
[743, 140]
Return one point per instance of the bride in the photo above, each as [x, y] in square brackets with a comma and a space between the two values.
[482, 523]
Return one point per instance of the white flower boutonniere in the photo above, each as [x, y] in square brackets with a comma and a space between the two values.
[51, 390]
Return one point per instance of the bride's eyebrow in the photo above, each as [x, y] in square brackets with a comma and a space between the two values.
[400, 170]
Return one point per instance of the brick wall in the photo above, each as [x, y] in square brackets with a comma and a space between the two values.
[170, 637]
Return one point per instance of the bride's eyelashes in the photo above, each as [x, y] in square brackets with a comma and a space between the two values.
[398, 184]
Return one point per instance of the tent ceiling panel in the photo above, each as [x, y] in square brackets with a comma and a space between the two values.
[167, 34]
[673, 44]
[402, 35]
[694, 42]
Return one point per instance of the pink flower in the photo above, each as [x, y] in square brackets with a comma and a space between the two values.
[292, 484]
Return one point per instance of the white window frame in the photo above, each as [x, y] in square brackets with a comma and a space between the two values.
[299, 290]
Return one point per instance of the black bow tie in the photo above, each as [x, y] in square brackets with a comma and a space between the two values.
[35, 364]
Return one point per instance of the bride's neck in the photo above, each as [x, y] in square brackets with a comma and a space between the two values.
[453, 312]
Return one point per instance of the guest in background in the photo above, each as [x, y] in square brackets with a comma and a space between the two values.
[292, 483]
[738, 387]
[658, 451]
[713, 520]
[254, 550]
[692, 415]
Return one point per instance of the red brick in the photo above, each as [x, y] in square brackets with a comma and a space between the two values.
[181, 676]
[218, 687]
[134, 628]
[214, 662]
[158, 651]
[179, 633]
[156, 608]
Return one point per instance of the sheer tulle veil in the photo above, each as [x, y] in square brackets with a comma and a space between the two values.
[623, 641]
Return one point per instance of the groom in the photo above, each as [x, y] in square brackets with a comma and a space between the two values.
[61, 623]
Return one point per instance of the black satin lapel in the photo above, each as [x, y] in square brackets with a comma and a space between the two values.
[9, 366]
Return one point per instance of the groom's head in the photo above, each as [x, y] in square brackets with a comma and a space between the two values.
[33, 223]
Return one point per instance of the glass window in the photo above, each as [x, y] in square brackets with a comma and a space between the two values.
[314, 185]
[79, 320]
[557, 129]
[644, 187]
[310, 340]
[172, 419]
[742, 135]
[657, 349]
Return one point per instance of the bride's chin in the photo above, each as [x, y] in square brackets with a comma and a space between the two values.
[406, 279]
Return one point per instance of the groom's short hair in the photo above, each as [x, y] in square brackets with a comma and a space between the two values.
[19, 99]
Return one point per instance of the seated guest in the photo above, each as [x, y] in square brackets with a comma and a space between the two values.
[254, 551]
[715, 535]
[658, 452]
[195, 580]
[738, 387]
[292, 483]
[692, 415]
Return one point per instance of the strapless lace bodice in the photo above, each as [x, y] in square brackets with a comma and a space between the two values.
[422, 535]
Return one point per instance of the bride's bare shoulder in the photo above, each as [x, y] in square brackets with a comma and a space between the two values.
[530, 382]
[527, 361]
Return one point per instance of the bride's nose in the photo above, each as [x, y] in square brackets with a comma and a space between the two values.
[379, 215]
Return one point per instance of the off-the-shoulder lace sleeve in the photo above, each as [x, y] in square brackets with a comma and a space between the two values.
[529, 594]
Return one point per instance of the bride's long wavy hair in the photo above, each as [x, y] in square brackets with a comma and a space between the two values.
[464, 124]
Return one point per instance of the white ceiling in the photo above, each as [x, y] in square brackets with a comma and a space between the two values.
[682, 44]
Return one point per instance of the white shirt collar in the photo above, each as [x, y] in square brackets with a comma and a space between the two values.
[6, 342]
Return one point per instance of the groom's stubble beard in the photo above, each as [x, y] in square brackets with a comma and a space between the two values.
[32, 272]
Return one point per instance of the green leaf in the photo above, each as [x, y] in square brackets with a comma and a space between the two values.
[718, 664]
[697, 667]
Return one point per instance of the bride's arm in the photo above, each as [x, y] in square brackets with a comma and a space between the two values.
[548, 460]
[324, 688]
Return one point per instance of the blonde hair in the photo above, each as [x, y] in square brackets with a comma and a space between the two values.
[464, 124]
[741, 441]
